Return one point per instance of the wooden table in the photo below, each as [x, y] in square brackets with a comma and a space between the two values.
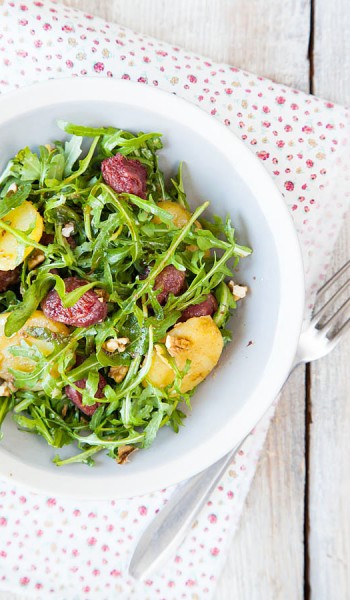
[294, 539]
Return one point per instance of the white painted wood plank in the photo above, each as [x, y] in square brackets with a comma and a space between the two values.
[266, 557]
[329, 540]
[332, 50]
[329, 509]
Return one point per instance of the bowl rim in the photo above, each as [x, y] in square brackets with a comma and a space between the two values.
[291, 308]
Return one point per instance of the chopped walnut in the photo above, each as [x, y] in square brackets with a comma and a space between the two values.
[118, 373]
[35, 259]
[124, 453]
[176, 345]
[67, 230]
[114, 344]
[13, 188]
[238, 291]
[103, 296]
[7, 388]
[64, 410]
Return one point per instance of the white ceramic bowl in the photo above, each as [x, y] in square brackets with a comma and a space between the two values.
[218, 168]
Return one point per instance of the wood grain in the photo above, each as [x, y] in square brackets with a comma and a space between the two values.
[331, 55]
[266, 557]
[329, 478]
[329, 475]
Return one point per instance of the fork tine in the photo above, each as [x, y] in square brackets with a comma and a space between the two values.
[334, 318]
[332, 280]
[342, 331]
[323, 310]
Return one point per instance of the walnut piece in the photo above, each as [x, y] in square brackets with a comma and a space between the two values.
[123, 453]
[116, 344]
[176, 345]
[238, 291]
[67, 230]
[13, 188]
[103, 296]
[35, 259]
[7, 388]
[118, 373]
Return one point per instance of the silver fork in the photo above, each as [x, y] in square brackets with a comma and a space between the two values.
[165, 533]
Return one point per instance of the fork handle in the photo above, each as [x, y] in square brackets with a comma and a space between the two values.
[167, 530]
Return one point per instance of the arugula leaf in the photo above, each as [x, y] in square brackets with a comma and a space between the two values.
[83, 164]
[10, 170]
[31, 300]
[225, 303]
[152, 428]
[6, 405]
[72, 151]
[180, 195]
[129, 144]
[71, 298]
[14, 199]
[150, 207]
[30, 165]
[54, 170]
[80, 130]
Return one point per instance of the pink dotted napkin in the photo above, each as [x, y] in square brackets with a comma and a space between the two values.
[69, 550]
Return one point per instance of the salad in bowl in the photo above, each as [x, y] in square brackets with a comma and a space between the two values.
[114, 295]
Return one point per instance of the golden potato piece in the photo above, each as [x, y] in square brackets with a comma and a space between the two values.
[23, 218]
[180, 215]
[198, 340]
[8, 361]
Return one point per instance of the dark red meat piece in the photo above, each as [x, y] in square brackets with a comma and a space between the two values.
[89, 309]
[48, 238]
[203, 309]
[76, 397]
[125, 175]
[170, 280]
[9, 278]
[146, 269]
[71, 242]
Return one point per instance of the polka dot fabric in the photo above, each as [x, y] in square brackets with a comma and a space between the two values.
[68, 550]
[51, 547]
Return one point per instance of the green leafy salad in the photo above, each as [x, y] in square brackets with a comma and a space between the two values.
[114, 295]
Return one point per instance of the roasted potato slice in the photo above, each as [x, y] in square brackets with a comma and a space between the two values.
[181, 217]
[198, 340]
[20, 363]
[24, 218]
